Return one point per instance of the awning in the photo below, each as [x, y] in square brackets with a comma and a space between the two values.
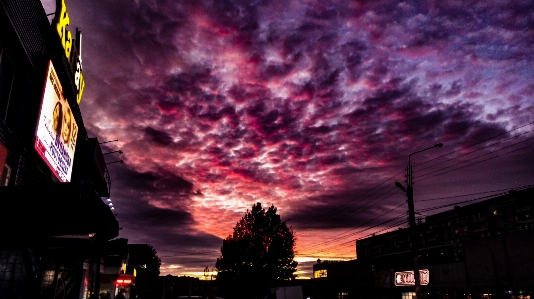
[57, 209]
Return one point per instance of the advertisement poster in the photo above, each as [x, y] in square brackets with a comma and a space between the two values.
[57, 130]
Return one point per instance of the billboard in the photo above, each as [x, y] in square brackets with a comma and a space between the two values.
[407, 278]
[56, 130]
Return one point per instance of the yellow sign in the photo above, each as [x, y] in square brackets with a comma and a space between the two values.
[73, 54]
[63, 21]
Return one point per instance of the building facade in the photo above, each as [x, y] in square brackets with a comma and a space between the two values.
[55, 223]
[481, 250]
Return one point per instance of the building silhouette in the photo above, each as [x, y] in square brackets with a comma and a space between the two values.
[479, 250]
[55, 222]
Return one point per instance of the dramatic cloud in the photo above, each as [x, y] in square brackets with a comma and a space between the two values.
[313, 106]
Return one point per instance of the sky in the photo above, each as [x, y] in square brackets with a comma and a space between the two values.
[313, 106]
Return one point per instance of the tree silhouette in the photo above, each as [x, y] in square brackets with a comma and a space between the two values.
[258, 254]
[145, 260]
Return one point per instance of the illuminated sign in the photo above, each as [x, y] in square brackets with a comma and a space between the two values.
[57, 129]
[125, 280]
[73, 48]
[407, 278]
[320, 273]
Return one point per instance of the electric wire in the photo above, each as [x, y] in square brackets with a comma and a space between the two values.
[346, 234]
[472, 145]
[505, 191]
[478, 193]
[452, 204]
[476, 157]
[362, 230]
[388, 193]
[423, 176]
[428, 175]
[343, 208]
[398, 221]
[399, 218]
[352, 242]
[395, 225]
[465, 201]
[466, 154]
[430, 209]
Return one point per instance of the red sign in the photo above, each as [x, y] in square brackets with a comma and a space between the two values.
[407, 278]
[125, 280]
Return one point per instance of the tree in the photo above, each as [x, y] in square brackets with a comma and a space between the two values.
[145, 260]
[258, 254]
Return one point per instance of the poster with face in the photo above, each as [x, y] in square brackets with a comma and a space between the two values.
[56, 130]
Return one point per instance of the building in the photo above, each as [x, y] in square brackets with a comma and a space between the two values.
[469, 251]
[174, 286]
[55, 226]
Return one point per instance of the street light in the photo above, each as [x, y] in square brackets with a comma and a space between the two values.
[411, 217]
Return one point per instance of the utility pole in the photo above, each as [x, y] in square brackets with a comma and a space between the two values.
[411, 219]
[413, 231]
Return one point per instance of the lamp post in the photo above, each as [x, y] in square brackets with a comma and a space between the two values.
[411, 218]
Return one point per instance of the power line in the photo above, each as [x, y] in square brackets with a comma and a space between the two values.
[342, 209]
[360, 231]
[338, 219]
[347, 234]
[422, 210]
[472, 145]
[426, 175]
[489, 145]
[462, 202]
[351, 242]
[478, 193]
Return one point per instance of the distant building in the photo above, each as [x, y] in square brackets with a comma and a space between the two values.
[496, 216]
[174, 286]
[481, 248]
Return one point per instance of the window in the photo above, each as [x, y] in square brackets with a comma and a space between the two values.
[319, 273]
[6, 174]
[7, 73]
[408, 295]
[48, 278]
[342, 295]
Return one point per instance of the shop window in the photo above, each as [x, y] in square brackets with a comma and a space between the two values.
[342, 295]
[408, 295]
[7, 73]
[319, 273]
[48, 278]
